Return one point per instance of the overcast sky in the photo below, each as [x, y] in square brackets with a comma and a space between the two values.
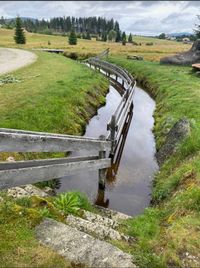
[138, 17]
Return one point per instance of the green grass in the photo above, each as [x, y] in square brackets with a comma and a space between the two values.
[55, 94]
[18, 217]
[168, 230]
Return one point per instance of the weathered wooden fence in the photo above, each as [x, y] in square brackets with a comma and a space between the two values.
[128, 83]
[24, 172]
[32, 171]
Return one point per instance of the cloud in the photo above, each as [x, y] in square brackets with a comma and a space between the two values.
[141, 17]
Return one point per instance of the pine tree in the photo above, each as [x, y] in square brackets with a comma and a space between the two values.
[118, 37]
[72, 38]
[130, 38]
[88, 36]
[19, 32]
[123, 38]
[197, 30]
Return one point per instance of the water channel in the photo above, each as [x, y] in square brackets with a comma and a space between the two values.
[129, 189]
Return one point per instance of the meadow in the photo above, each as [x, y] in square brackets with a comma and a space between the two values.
[160, 48]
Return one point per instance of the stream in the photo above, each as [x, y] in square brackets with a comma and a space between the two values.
[129, 189]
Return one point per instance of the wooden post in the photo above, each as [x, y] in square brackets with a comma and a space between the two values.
[116, 77]
[123, 82]
[102, 172]
[112, 134]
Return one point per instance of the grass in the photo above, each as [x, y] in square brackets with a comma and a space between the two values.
[160, 48]
[168, 233]
[18, 245]
[51, 100]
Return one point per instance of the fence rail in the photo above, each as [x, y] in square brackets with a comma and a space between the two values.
[119, 117]
[24, 172]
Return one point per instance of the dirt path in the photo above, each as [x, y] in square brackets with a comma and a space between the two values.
[12, 59]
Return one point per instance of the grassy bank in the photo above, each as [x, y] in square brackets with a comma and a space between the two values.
[158, 49]
[54, 94]
[168, 233]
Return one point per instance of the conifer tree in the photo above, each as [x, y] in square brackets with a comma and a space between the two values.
[130, 38]
[19, 32]
[88, 36]
[72, 38]
[197, 30]
[123, 38]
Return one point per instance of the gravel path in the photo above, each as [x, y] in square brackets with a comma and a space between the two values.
[12, 59]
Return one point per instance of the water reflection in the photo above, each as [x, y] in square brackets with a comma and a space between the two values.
[128, 186]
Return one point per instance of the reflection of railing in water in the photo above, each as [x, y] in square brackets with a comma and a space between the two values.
[112, 171]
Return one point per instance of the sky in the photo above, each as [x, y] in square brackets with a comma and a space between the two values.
[138, 17]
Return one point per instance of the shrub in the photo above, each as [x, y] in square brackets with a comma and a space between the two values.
[149, 44]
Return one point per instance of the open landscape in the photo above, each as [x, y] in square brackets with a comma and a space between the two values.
[137, 195]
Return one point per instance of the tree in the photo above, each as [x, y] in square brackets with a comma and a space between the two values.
[112, 35]
[130, 38]
[162, 36]
[72, 38]
[197, 30]
[19, 32]
[123, 38]
[118, 37]
[88, 36]
[104, 36]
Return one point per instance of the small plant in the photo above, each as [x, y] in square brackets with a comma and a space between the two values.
[49, 43]
[68, 202]
[72, 202]
[44, 212]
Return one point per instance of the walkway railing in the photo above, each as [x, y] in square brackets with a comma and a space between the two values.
[128, 83]
[32, 171]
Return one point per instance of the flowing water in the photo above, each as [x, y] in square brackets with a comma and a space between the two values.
[129, 189]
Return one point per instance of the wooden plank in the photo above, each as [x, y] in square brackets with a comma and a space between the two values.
[20, 142]
[22, 176]
[196, 65]
[44, 162]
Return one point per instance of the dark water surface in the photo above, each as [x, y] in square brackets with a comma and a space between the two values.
[130, 190]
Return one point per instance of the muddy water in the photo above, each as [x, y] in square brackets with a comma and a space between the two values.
[129, 190]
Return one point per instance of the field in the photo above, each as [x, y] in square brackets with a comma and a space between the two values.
[160, 48]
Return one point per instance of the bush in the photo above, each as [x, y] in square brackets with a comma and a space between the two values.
[149, 44]
[78, 56]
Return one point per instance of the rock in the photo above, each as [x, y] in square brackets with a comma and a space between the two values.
[92, 217]
[10, 159]
[49, 191]
[25, 191]
[135, 57]
[185, 58]
[81, 248]
[100, 231]
[112, 214]
[178, 132]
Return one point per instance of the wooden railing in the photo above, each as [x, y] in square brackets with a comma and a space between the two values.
[128, 83]
[32, 171]
[24, 172]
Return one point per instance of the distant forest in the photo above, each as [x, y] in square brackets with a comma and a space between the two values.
[95, 26]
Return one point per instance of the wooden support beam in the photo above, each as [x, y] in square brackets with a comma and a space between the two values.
[25, 142]
[21, 176]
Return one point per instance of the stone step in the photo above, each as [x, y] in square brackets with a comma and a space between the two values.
[112, 214]
[105, 221]
[96, 229]
[81, 248]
